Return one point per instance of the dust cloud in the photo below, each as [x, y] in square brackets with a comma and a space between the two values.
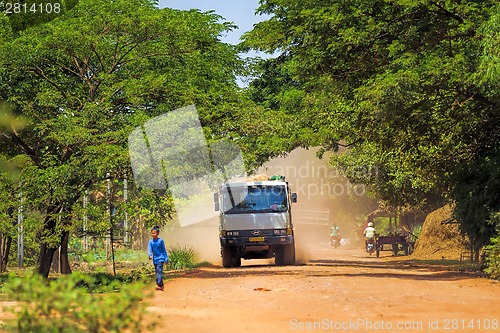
[325, 198]
[203, 237]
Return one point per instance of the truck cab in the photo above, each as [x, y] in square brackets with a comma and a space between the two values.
[256, 221]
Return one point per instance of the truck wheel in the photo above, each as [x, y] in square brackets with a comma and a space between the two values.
[279, 255]
[289, 254]
[226, 256]
[235, 261]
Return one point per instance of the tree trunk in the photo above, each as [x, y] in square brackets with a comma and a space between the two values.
[2, 242]
[477, 253]
[45, 260]
[63, 258]
[6, 252]
[47, 248]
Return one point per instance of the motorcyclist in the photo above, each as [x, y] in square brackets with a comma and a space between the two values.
[335, 235]
[369, 233]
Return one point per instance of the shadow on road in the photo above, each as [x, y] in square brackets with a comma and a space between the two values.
[404, 269]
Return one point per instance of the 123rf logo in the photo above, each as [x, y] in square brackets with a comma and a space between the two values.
[30, 8]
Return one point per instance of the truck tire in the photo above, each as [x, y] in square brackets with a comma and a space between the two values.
[289, 254]
[226, 256]
[235, 260]
[279, 255]
[285, 255]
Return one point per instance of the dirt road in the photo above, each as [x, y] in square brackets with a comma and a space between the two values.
[339, 290]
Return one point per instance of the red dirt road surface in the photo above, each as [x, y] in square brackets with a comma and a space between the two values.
[339, 290]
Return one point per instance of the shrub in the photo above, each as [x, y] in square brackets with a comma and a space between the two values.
[492, 256]
[180, 257]
[75, 303]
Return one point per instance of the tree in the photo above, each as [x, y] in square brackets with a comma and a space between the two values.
[372, 63]
[32, 12]
[87, 78]
[411, 87]
[9, 191]
[7, 219]
[478, 199]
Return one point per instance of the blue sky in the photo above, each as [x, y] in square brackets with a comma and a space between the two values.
[240, 12]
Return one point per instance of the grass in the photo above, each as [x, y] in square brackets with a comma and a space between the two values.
[95, 301]
[132, 266]
[74, 303]
[181, 257]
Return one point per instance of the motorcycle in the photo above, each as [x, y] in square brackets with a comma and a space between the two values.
[335, 241]
[370, 245]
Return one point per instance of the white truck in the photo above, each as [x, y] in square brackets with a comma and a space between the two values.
[256, 221]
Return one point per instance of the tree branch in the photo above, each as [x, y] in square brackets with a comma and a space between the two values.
[92, 47]
[40, 72]
[15, 140]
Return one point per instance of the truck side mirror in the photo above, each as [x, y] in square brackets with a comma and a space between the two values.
[216, 201]
[294, 197]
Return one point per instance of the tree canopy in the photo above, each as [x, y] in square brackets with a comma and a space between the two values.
[85, 79]
[411, 87]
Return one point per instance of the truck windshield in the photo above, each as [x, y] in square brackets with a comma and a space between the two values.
[254, 199]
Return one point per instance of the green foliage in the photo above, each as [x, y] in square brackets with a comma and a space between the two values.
[489, 70]
[37, 12]
[180, 257]
[492, 253]
[410, 87]
[417, 231]
[83, 81]
[202, 264]
[478, 199]
[99, 255]
[69, 304]
[143, 273]
[101, 282]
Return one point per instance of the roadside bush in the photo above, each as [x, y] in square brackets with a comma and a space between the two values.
[417, 231]
[75, 303]
[181, 257]
[142, 273]
[492, 256]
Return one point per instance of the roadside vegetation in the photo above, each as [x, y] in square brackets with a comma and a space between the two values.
[492, 254]
[91, 300]
[76, 303]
